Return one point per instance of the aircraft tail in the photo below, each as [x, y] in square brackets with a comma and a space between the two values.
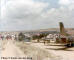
[62, 29]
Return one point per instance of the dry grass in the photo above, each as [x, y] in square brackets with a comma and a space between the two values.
[36, 53]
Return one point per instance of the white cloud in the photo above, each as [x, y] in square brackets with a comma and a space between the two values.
[28, 14]
[71, 7]
[64, 2]
[63, 14]
[27, 6]
[67, 3]
[19, 14]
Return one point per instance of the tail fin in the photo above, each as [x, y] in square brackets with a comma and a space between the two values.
[62, 30]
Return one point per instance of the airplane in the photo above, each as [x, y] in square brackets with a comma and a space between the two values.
[70, 39]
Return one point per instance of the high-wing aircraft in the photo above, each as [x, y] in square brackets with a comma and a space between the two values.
[70, 39]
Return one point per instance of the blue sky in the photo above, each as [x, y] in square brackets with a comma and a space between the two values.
[35, 14]
[52, 3]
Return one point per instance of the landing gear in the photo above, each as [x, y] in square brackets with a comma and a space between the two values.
[70, 44]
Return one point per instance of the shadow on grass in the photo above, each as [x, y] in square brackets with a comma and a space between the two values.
[64, 49]
[55, 45]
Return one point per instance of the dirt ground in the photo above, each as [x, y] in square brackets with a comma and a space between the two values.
[38, 51]
[48, 51]
[11, 52]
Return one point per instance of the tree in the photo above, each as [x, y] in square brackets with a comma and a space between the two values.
[21, 36]
[38, 37]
